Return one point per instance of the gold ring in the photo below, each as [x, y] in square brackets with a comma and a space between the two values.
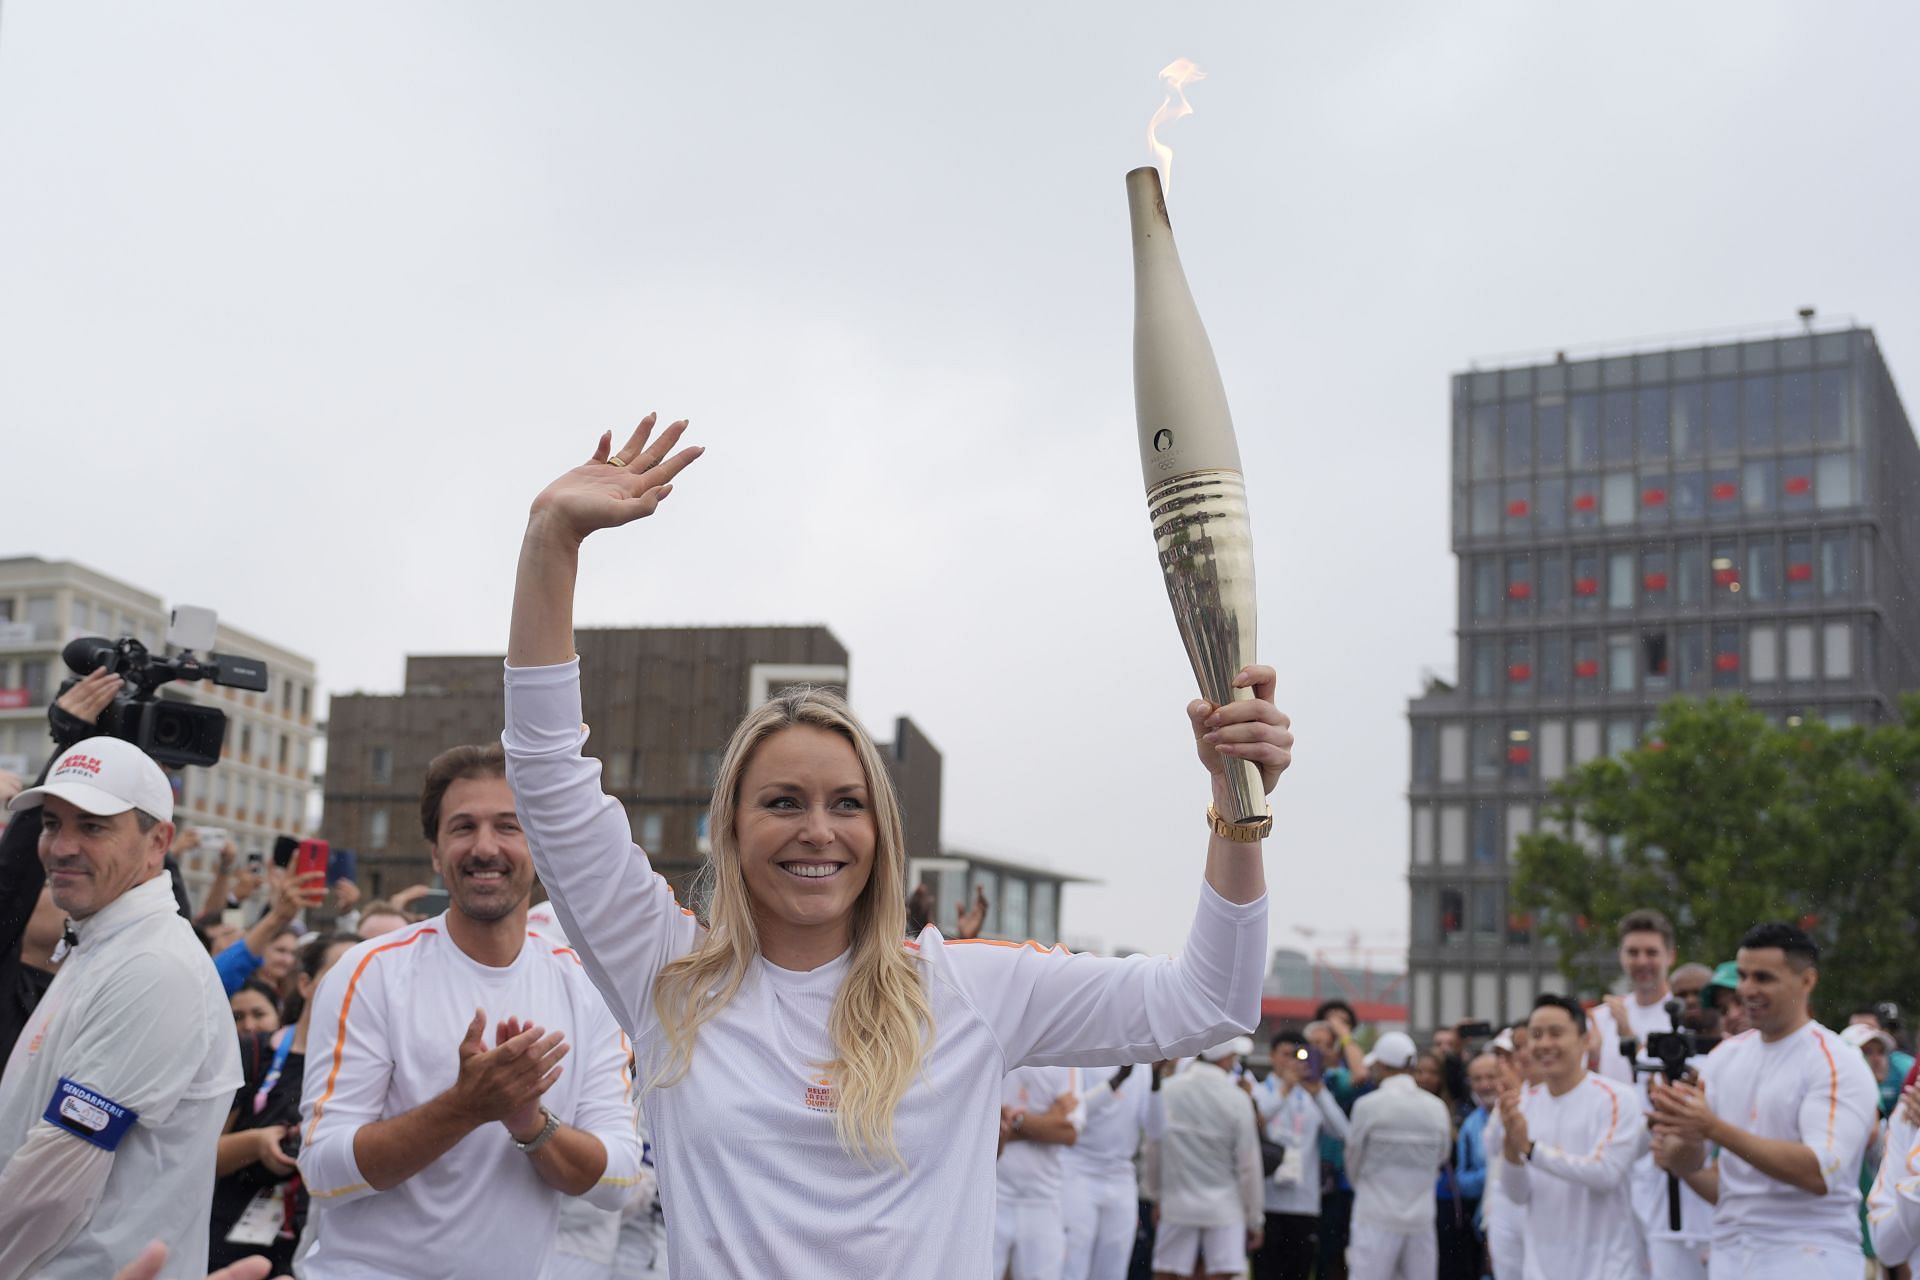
[616, 461]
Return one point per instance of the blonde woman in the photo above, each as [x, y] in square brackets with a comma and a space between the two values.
[824, 1098]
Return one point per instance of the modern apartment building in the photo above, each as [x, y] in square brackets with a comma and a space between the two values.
[1734, 516]
[264, 783]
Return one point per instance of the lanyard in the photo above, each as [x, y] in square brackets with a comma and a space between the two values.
[273, 1072]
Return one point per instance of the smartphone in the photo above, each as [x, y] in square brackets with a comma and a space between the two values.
[311, 856]
[284, 847]
[342, 865]
[429, 904]
[1316, 1064]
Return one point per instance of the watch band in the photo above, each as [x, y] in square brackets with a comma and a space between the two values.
[1238, 832]
[551, 1127]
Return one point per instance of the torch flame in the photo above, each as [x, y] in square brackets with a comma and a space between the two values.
[1178, 74]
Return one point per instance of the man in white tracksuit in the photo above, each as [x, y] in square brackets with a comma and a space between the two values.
[1400, 1135]
[1040, 1116]
[1209, 1170]
[1101, 1199]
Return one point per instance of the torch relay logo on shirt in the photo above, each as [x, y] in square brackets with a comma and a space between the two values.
[820, 1095]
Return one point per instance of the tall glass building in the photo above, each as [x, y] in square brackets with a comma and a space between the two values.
[1729, 517]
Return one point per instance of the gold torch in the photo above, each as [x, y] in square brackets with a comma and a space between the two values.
[1196, 495]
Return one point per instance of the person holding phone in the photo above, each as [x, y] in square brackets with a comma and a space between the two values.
[1296, 1109]
[819, 1088]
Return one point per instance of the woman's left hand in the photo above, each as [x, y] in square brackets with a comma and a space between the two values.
[1247, 729]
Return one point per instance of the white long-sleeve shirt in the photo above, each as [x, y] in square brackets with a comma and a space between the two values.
[1578, 1184]
[388, 1020]
[1893, 1205]
[136, 1017]
[1294, 1119]
[1809, 1087]
[1031, 1172]
[1118, 1121]
[1209, 1171]
[1397, 1140]
[1649, 1180]
[750, 1168]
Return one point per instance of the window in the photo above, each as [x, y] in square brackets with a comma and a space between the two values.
[377, 829]
[1043, 926]
[1486, 832]
[1689, 496]
[1519, 586]
[653, 831]
[1833, 481]
[1757, 418]
[1553, 752]
[1726, 656]
[1486, 442]
[1552, 587]
[1725, 565]
[1688, 420]
[1516, 418]
[703, 843]
[280, 747]
[1485, 654]
[1422, 835]
[1796, 410]
[1486, 915]
[1453, 910]
[1426, 918]
[1620, 583]
[1653, 422]
[1691, 646]
[1655, 492]
[1622, 735]
[1486, 509]
[1836, 564]
[1759, 479]
[1552, 673]
[1621, 663]
[1653, 579]
[1550, 504]
[1653, 659]
[1520, 985]
[1586, 581]
[1586, 741]
[1836, 651]
[1616, 428]
[1723, 493]
[1830, 407]
[1762, 581]
[380, 766]
[306, 701]
[1586, 664]
[1617, 498]
[1723, 416]
[988, 883]
[1453, 835]
[1800, 651]
[1487, 757]
[1519, 664]
[1013, 906]
[1550, 447]
[1689, 574]
[1796, 484]
[1763, 654]
[1584, 414]
[1453, 753]
[1519, 753]
[1583, 502]
[1426, 753]
[1516, 501]
[1799, 575]
[33, 677]
[1486, 587]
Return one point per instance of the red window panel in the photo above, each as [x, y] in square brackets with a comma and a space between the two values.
[1520, 672]
[1586, 668]
[1726, 662]
[1586, 586]
[1519, 590]
[1519, 753]
[1726, 577]
[1799, 484]
[1800, 573]
[1725, 492]
[1517, 508]
[1654, 498]
[1655, 581]
[1585, 502]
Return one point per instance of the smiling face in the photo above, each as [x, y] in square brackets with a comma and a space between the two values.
[1558, 1047]
[252, 1012]
[805, 832]
[1773, 991]
[1428, 1074]
[1645, 958]
[91, 860]
[480, 851]
[282, 953]
[1484, 1075]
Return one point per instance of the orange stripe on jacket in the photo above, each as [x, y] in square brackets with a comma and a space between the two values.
[1833, 1086]
[1613, 1121]
[340, 1037]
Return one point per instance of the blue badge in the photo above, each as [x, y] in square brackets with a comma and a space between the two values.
[89, 1116]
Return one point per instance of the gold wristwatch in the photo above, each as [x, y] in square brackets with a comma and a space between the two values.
[1238, 832]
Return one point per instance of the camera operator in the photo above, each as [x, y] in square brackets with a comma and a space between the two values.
[112, 1104]
[1789, 1108]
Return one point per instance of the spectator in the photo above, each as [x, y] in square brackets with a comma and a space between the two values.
[1040, 1114]
[256, 1008]
[1209, 1189]
[1101, 1198]
[1723, 994]
[259, 1207]
[1788, 1111]
[1331, 1032]
[245, 957]
[278, 961]
[1453, 1216]
[1400, 1137]
[419, 1138]
[1485, 1076]
[1687, 982]
[27, 969]
[1504, 1223]
[133, 1048]
[380, 917]
[1899, 1063]
[1296, 1108]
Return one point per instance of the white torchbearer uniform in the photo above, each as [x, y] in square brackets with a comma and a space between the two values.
[1671, 1255]
[1504, 1219]
[1101, 1199]
[1893, 1206]
[1578, 1182]
[1809, 1087]
[1029, 1232]
[1397, 1140]
[752, 1175]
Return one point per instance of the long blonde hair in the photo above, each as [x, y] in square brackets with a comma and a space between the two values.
[881, 1023]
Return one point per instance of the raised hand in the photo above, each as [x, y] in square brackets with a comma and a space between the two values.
[502, 1081]
[87, 699]
[614, 487]
[969, 920]
[1248, 729]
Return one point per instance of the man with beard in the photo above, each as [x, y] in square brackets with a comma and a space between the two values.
[423, 1141]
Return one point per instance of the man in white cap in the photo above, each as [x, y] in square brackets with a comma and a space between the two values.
[114, 1097]
[1209, 1193]
[1399, 1138]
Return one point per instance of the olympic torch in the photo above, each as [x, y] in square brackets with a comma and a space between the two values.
[1196, 495]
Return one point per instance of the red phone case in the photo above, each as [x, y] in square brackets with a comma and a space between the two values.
[313, 856]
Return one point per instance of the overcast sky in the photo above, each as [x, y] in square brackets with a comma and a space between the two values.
[299, 307]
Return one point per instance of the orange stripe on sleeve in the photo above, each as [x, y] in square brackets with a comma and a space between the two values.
[340, 1036]
[1833, 1086]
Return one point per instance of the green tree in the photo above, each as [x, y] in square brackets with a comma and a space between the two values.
[1722, 820]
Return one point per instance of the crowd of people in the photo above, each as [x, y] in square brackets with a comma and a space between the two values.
[807, 1077]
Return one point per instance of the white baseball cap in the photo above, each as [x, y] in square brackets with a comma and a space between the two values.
[1394, 1050]
[1238, 1047]
[1859, 1033]
[104, 776]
